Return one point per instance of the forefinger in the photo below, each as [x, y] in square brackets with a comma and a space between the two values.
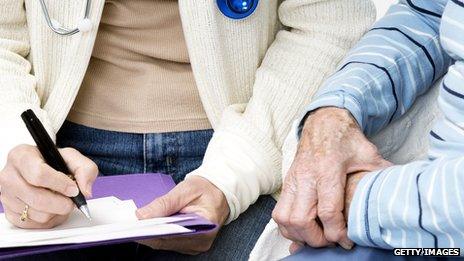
[39, 174]
[330, 210]
[304, 217]
[33, 169]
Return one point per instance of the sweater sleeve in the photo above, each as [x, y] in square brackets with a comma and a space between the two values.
[398, 60]
[244, 156]
[17, 84]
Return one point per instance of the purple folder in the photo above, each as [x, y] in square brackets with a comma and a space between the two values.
[142, 188]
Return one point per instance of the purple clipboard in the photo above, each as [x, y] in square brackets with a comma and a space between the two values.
[142, 188]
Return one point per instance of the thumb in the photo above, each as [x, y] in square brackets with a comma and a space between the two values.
[385, 163]
[378, 164]
[169, 204]
[85, 171]
[370, 162]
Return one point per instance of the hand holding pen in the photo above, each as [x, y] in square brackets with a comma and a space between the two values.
[28, 182]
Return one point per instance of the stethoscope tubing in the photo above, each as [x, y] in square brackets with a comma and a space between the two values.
[62, 31]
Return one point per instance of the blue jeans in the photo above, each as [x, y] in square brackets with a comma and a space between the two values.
[176, 154]
[115, 153]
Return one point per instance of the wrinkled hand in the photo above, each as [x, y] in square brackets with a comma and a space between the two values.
[193, 195]
[310, 208]
[27, 180]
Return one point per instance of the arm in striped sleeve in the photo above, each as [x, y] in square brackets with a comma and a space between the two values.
[416, 205]
[421, 204]
[396, 61]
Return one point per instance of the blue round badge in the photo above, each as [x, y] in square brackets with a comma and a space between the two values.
[237, 9]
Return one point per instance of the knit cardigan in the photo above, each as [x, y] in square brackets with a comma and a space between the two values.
[254, 76]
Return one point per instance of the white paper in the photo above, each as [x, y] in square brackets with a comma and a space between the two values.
[111, 219]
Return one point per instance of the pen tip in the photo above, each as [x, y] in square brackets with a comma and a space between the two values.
[84, 209]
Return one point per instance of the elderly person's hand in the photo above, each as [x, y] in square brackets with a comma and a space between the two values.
[310, 208]
[27, 180]
[193, 195]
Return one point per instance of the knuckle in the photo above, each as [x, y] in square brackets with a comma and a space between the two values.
[56, 220]
[280, 218]
[11, 157]
[327, 214]
[163, 203]
[68, 150]
[276, 215]
[13, 218]
[37, 201]
[91, 168]
[20, 153]
[3, 177]
[286, 234]
[14, 155]
[38, 176]
[67, 208]
[298, 221]
[48, 225]
[8, 214]
[333, 237]
[44, 218]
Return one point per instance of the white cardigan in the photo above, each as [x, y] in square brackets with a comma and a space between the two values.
[254, 76]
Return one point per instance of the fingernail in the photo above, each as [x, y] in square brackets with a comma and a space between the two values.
[295, 247]
[347, 244]
[72, 191]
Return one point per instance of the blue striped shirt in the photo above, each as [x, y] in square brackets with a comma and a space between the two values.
[420, 204]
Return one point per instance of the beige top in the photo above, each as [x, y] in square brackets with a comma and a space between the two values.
[139, 78]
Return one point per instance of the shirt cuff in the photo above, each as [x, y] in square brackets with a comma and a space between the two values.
[363, 221]
[337, 99]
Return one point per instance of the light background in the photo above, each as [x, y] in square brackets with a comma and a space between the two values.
[382, 6]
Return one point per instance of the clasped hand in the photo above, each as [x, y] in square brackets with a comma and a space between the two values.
[332, 150]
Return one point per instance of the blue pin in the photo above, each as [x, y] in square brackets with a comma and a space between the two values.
[237, 9]
[240, 6]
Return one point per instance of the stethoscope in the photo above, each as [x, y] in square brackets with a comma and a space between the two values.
[234, 9]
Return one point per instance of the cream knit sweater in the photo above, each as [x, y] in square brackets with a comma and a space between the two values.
[254, 76]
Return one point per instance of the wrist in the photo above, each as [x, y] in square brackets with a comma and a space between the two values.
[328, 124]
[223, 209]
[218, 200]
[331, 114]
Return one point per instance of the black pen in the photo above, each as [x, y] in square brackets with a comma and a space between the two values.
[51, 155]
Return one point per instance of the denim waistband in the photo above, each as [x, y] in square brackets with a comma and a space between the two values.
[174, 153]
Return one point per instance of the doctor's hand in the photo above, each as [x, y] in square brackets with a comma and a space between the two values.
[310, 208]
[193, 195]
[27, 180]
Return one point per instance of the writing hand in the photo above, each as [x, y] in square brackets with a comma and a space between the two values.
[27, 180]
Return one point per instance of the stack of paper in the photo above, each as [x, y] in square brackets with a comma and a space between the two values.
[111, 219]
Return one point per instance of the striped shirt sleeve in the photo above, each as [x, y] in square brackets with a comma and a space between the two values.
[395, 62]
[421, 204]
